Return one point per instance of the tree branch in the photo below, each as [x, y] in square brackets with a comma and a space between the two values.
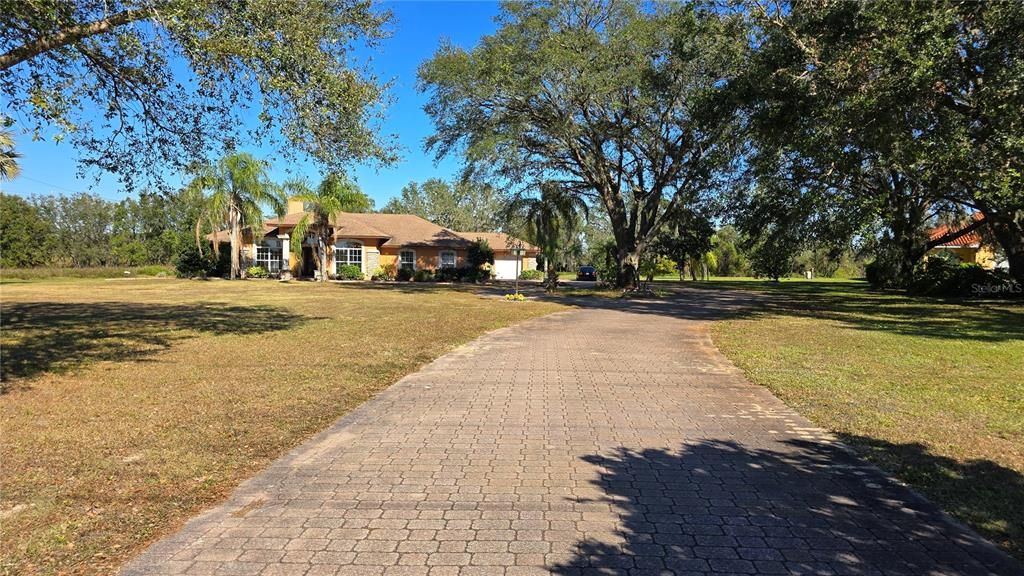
[954, 234]
[70, 36]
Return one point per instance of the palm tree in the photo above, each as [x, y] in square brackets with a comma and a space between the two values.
[239, 189]
[551, 221]
[9, 168]
[334, 195]
[702, 265]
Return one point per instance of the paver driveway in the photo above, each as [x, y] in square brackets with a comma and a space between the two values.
[606, 441]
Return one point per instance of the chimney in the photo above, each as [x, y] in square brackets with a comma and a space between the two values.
[294, 205]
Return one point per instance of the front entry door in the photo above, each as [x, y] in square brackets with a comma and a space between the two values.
[308, 263]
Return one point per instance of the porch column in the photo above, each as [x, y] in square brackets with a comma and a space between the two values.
[286, 252]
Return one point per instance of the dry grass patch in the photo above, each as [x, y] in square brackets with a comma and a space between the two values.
[134, 404]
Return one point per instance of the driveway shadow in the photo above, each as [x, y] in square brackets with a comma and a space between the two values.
[854, 305]
[54, 336]
[799, 508]
[851, 304]
[678, 302]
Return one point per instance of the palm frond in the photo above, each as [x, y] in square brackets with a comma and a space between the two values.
[238, 180]
[273, 196]
[9, 167]
[336, 193]
[299, 234]
[297, 188]
[252, 218]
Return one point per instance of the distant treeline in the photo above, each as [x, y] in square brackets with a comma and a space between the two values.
[84, 230]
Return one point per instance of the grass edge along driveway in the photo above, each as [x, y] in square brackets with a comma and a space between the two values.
[929, 390]
[135, 404]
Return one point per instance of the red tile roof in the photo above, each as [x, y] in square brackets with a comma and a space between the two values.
[970, 240]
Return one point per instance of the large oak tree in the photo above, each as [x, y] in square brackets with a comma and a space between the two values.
[619, 103]
[900, 111]
[143, 87]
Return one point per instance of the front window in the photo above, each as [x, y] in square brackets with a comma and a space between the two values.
[448, 259]
[347, 252]
[407, 259]
[268, 255]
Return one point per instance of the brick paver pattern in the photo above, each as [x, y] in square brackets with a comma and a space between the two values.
[596, 441]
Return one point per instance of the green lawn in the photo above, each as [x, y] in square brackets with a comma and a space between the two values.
[133, 404]
[930, 390]
[136, 403]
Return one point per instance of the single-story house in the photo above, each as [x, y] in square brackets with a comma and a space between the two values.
[969, 248]
[374, 240]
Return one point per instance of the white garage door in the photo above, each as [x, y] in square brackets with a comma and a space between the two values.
[505, 268]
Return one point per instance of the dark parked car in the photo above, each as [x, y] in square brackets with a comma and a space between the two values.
[588, 273]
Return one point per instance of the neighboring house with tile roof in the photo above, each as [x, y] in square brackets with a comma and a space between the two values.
[374, 240]
[970, 247]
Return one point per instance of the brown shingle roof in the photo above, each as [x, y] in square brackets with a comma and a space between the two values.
[397, 230]
[225, 234]
[410, 230]
[498, 241]
[344, 224]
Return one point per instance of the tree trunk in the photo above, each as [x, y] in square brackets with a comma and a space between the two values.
[551, 282]
[1009, 232]
[912, 250]
[906, 215]
[323, 257]
[630, 236]
[629, 263]
[234, 220]
[548, 255]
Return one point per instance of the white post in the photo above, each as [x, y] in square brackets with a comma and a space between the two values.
[518, 252]
[286, 272]
[517, 273]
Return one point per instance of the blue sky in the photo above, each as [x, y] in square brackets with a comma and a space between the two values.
[418, 29]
